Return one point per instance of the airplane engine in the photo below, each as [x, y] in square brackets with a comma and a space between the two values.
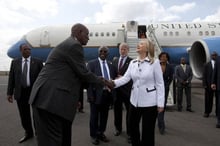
[200, 52]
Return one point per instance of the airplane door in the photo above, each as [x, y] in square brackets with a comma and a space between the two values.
[44, 38]
[121, 35]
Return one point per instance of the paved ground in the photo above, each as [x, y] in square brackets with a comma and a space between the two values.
[183, 128]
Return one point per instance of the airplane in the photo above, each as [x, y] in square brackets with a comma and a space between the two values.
[194, 41]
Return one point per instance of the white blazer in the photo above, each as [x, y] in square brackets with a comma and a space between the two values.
[148, 84]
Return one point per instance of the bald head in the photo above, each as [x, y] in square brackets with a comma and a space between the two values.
[80, 32]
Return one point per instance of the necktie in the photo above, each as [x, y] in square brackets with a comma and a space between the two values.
[105, 73]
[24, 74]
[120, 63]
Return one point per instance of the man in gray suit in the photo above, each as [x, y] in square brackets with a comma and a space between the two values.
[23, 73]
[56, 91]
[184, 76]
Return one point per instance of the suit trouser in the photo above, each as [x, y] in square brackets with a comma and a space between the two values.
[218, 108]
[25, 111]
[148, 115]
[209, 95]
[118, 104]
[52, 130]
[98, 119]
[180, 96]
[160, 117]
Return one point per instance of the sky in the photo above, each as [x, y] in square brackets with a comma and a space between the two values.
[17, 17]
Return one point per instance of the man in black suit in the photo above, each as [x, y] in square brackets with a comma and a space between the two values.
[183, 74]
[23, 73]
[56, 91]
[123, 92]
[101, 98]
[216, 86]
[207, 80]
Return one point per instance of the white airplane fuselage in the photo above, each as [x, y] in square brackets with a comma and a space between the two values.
[194, 41]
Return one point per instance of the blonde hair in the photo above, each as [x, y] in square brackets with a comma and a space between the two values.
[150, 50]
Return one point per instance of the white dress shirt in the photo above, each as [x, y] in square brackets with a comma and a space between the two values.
[148, 84]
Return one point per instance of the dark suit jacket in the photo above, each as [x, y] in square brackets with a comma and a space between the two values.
[216, 74]
[14, 80]
[95, 94]
[207, 75]
[57, 87]
[183, 76]
[125, 89]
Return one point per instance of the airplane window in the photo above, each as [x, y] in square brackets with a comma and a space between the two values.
[165, 33]
[96, 34]
[171, 33]
[212, 32]
[91, 34]
[113, 33]
[107, 34]
[200, 33]
[188, 33]
[102, 33]
[206, 33]
[177, 33]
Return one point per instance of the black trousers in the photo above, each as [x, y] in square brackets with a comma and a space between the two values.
[180, 96]
[209, 95]
[98, 119]
[149, 116]
[118, 110]
[52, 130]
[25, 110]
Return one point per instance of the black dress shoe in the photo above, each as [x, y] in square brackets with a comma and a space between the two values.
[117, 133]
[95, 141]
[103, 138]
[206, 115]
[190, 110]
[129, 139]
[26, 137]
[162, 131]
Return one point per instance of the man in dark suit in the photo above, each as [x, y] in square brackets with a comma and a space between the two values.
[23, 73]
[56, 91]
[207, 80]
[216, 86]
[184, 76]
[123, 92]
[100, 98]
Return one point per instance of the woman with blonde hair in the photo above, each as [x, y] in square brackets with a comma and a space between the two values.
[147, 93]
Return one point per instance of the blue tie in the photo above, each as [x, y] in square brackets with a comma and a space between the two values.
[105, 71]
[24, 75]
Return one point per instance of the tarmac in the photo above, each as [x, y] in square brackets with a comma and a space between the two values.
[182, 128]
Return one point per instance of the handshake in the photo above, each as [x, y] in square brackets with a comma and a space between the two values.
[108, 83]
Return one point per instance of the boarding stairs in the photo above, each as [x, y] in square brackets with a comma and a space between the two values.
[152, 37]
[132, 41]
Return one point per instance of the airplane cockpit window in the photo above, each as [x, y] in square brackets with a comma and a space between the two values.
[102, 34]
[90, 34]
[188, 33]
[164, 33]
[96, 34]
[206, 33]
[200, 33]
[212, 33]
[113, 33]
[107, 34]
